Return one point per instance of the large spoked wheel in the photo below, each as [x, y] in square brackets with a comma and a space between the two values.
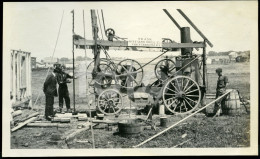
[110, 102]
[105, 76]
[130, 73]
[164, 68]
[104, 63]
[181, 95]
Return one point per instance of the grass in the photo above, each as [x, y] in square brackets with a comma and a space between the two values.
[225, 131]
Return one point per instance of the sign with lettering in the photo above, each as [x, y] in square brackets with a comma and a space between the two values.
[144, 42]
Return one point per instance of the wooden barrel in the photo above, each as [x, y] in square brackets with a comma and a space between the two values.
[130, 126]
[232, 104]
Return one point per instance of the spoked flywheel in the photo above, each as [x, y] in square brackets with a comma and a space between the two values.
[164, 69]
[130, 73]
[110, 102]
[181, 95]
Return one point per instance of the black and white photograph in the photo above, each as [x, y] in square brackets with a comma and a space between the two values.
[171, 78]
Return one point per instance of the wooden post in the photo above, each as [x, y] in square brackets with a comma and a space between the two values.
[95, 36]
[29, 91]
[14, 76]
[73, 61]
[204, 64]
[185, 38]
[18, 75]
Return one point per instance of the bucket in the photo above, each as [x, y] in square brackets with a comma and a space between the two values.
[163, 121]
[130, 126]
[232, 104]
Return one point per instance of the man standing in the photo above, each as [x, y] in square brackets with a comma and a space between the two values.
[62, 79]
[221, 89]
[50, 91]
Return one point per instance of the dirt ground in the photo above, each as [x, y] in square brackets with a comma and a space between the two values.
[201, 131]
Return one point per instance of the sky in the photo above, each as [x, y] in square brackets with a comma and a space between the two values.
[33, 26]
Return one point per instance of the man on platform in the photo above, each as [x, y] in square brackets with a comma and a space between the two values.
[221, 89]
[50, 91]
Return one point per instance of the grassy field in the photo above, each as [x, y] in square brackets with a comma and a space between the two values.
[224, 131]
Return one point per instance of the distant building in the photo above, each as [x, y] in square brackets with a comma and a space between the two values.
[50, 60]
[40, 65]
[232, 56]
[33, 62]
[219, 59]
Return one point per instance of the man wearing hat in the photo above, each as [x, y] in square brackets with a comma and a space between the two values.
[50, 91]
[62, 79]
[221, 89]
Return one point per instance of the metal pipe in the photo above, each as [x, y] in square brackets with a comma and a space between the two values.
[198, 31]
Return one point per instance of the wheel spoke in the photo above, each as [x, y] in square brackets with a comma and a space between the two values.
[113, 109]
[170, 98]
[192, 95]
[189, 87]
[188, 103]
[178, 84]
[171, 90]
[186, 85]
[191, 100]
[174, 86]
[133, 79]
[126, 80]
[124, 68]
[191, 91]
[170, 94]
[184, 103]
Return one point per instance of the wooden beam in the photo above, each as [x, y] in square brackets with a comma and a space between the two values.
[182, 120]
[77, 132]
[30, 116]
[47, 125]
[198, 31]
[23, 124]
[126, 44]
[173, 20]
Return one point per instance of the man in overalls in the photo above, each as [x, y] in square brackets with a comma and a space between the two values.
[63, 91]
[221, 89]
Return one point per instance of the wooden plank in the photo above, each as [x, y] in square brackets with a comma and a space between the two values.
[105, 121]
[125, 44]
[23, 124]
[47, 125]
[181, 120]
[78, 131]
[30, 116]
[16, 113]
[198, 31]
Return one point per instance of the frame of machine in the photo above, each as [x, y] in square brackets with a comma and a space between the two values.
[180, 85]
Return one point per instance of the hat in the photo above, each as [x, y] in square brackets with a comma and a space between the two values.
[219, 70]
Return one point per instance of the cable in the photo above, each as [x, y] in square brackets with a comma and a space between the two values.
[52, 56]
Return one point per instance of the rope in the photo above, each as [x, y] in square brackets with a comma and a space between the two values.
[52, 55]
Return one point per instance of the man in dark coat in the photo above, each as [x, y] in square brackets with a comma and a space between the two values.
[63, 91]
[50, 91]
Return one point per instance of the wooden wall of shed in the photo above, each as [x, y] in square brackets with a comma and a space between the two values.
[21, 76]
